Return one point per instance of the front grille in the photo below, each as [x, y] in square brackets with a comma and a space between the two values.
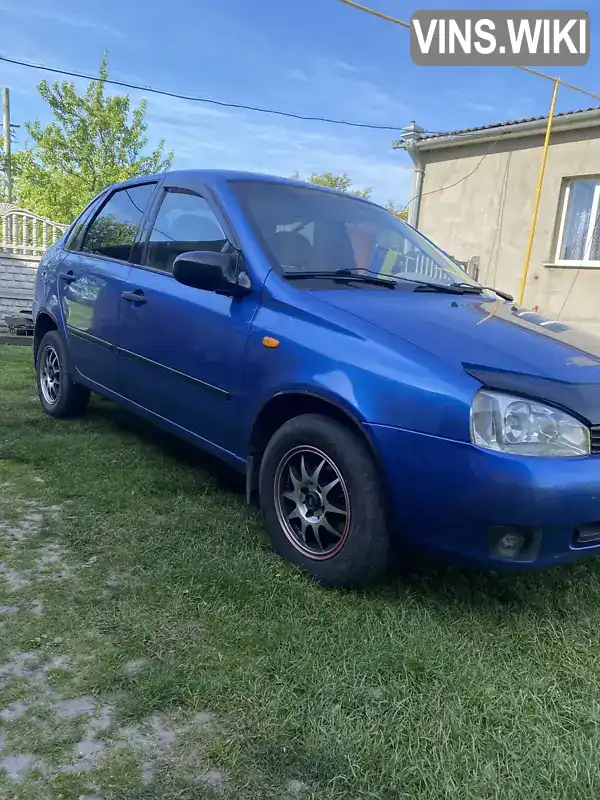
[595, 439]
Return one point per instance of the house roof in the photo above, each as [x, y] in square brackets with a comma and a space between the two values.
[515, 126]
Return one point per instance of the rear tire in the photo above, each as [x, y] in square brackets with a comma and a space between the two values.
[323, 502]
[59, 395]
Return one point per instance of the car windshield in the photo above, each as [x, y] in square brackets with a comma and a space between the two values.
[308, 230]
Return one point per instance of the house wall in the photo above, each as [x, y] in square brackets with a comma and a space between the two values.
[17, 282]
[489, 215]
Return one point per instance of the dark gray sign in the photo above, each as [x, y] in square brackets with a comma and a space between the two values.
[500, 38]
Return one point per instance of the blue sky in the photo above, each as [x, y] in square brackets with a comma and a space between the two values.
[315, 57]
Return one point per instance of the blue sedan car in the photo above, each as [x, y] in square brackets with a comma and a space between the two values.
[371, 391]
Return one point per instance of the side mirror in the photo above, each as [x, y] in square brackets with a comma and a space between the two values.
[212, 272]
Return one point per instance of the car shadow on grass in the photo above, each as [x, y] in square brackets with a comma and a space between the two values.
[553, 593]
[425, 578]
[171, 446]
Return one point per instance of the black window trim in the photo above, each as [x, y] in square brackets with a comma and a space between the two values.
[109, 195]
[152, 215]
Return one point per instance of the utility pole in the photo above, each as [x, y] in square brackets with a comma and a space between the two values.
[6, 135]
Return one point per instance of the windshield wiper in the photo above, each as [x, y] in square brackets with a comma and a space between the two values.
[447, 288]
[377, 279]
[460, 288]
[469, 287]
[341, 275]
[421, 285]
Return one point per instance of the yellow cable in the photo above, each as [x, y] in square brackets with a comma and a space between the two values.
[404, 24]
[538, 192]
[557, 82]
[562, 83]
[376, 13]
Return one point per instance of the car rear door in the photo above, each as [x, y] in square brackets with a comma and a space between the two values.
[92, 277]
[181, 348]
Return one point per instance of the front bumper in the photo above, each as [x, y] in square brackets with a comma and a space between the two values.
[447, 495]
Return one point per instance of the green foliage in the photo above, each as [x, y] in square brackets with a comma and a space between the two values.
[93, 141]
[343, 183]
[109, 232]
[2, 171]
[334, 181]
[15, 169]
[397, 211]
[440, 683]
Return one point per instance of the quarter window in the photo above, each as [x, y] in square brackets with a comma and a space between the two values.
[579, 232]
[114, 229]
[184, 222]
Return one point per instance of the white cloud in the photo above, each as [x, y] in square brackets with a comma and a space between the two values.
[340, 64]
[348, 92]
[483, 104]
[204, 137]
[485, 108]
[60, 18]
[298, 75]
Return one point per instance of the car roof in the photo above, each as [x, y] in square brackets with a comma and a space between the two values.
[211, 176]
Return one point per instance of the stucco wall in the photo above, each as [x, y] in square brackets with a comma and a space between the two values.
[489, 215]
[17, 281]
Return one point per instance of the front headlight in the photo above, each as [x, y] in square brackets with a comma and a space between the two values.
[526, 428]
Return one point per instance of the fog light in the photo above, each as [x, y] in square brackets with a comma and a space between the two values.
[510, 545]
[504, 542]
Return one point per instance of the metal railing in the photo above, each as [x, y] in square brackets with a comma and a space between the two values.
[24, 233]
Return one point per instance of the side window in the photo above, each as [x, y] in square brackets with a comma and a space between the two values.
[113, 230]
[75, 235]
[579, 233]
[184, 222]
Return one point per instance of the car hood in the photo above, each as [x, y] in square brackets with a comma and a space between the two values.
[500, 344]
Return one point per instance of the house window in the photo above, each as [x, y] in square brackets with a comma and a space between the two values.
[579, 233]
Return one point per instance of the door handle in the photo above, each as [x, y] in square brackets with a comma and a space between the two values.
[134, 297]
[67, 277]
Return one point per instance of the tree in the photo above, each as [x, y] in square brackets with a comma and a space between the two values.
[397, 211]
[93, 141]
[344, 184]
[341, 182]
[14, 161]
[2, 170]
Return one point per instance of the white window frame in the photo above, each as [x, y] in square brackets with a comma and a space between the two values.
[585, 261]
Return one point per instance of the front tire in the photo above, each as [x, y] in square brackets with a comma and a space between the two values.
[323, 502]
[59, 395]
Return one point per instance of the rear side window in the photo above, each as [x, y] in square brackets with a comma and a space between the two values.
[184, 222]
[113, 230]
[75, 235]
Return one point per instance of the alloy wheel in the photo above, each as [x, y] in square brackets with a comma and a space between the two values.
[312, 502]
[50, 375]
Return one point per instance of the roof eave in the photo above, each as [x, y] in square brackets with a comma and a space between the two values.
[583, 119]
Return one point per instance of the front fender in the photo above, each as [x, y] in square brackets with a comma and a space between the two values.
[369, 373]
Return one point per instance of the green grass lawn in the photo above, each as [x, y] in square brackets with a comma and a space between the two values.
[152, 646]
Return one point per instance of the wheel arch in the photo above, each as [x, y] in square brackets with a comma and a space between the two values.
[44, 322]
[289, 404]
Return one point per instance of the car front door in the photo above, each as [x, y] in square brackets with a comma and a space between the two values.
[92, 277]
[181, 348]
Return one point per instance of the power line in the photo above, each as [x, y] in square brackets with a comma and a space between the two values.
[195, 99]
[460, 180]
[404, 24]
[562, 83]
[375, 13]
